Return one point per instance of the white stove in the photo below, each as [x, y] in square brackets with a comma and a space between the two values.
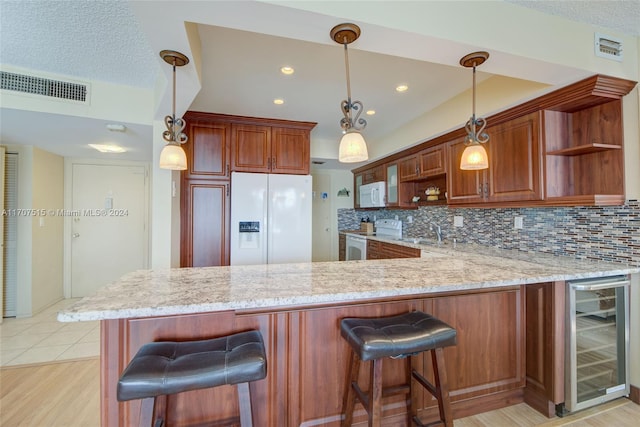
[389, 228]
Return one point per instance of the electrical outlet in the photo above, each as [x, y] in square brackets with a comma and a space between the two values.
[458, 221]
[518, 222]
[410, 219]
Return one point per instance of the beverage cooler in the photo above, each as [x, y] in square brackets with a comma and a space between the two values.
[597, 344]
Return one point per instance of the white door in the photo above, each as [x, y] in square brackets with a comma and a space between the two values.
[108, 226]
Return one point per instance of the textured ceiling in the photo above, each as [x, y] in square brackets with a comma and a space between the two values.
[619, 15]
[89, 40]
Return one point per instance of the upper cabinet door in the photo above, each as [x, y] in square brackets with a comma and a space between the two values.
[251, 148]
[514, 160]
[290, 151]
[207, 150]
[408, 168]
[432, 161]
[463, 186]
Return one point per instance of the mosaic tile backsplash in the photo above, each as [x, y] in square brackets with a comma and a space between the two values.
[610, 233]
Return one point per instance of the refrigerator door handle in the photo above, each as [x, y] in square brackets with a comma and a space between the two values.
[595, 287]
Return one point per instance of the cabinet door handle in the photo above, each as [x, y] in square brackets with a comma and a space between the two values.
[486, 189]
[227, 170]
[226, 186]
[269, 163]
[417, 170]
[480, 189]
[274, 163]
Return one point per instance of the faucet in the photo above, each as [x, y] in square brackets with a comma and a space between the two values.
[436, 228]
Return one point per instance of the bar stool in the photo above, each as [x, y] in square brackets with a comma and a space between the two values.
[402, 336]
[163, 368]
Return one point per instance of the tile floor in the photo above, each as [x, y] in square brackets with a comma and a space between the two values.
[41, 338]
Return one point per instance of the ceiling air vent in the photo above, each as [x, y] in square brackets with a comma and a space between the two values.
[46, 87]
[608, 47]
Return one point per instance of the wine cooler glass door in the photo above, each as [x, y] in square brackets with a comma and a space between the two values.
[598, 341]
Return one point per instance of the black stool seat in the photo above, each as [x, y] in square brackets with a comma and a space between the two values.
[396, 336]
[162, 368]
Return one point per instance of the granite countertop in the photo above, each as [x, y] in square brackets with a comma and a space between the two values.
[443, 268]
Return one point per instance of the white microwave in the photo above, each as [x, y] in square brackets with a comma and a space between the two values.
[373, 195]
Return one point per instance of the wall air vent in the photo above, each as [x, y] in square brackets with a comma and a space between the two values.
[41, 86]
[608, 47]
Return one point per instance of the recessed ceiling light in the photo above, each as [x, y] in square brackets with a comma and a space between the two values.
[278, 101]
[402, 88]
[116, 127]
[370, 112]
[287, 70]
[108, 148]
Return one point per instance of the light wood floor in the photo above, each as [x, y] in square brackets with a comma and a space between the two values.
[68, 395]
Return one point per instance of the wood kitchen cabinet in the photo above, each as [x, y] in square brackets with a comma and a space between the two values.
[564, 148]
[426, 163]
[204, 193]
[205, 227]
[207, 148]
[545, 346]
[585, 155]
[342, 247]
[383, 250]
[514, 173]
[270, 149]
[217, 145]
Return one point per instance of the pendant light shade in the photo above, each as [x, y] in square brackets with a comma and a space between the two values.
[474, 156]
[353, 148]
[173, 157]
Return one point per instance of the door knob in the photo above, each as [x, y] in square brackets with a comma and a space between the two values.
[76, 234]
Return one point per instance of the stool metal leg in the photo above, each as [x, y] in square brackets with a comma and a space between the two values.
[244, 402]
[349, 401]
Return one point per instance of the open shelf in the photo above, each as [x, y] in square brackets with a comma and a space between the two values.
[584, 149]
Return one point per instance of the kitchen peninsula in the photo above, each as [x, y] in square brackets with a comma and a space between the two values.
[488, 296]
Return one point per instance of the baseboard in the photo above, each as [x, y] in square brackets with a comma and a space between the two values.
[476, 405]
[634, 395]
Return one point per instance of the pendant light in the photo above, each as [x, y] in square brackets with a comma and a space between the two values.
[353, 147]
[474, 156]
[173, 156]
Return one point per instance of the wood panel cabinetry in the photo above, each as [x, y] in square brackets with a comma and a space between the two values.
[219, 144]
[304, 349]
[424, 164]
[564, 148]
[204, 193]
[545, 338]
[585, 155]
[383, 250]
[268, 149]
[514, 172]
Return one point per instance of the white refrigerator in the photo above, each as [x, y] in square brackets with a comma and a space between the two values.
[270, 218]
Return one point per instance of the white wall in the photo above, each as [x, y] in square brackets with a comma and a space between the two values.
[47, 231]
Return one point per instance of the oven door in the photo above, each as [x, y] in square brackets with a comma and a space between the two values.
[356, 248]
